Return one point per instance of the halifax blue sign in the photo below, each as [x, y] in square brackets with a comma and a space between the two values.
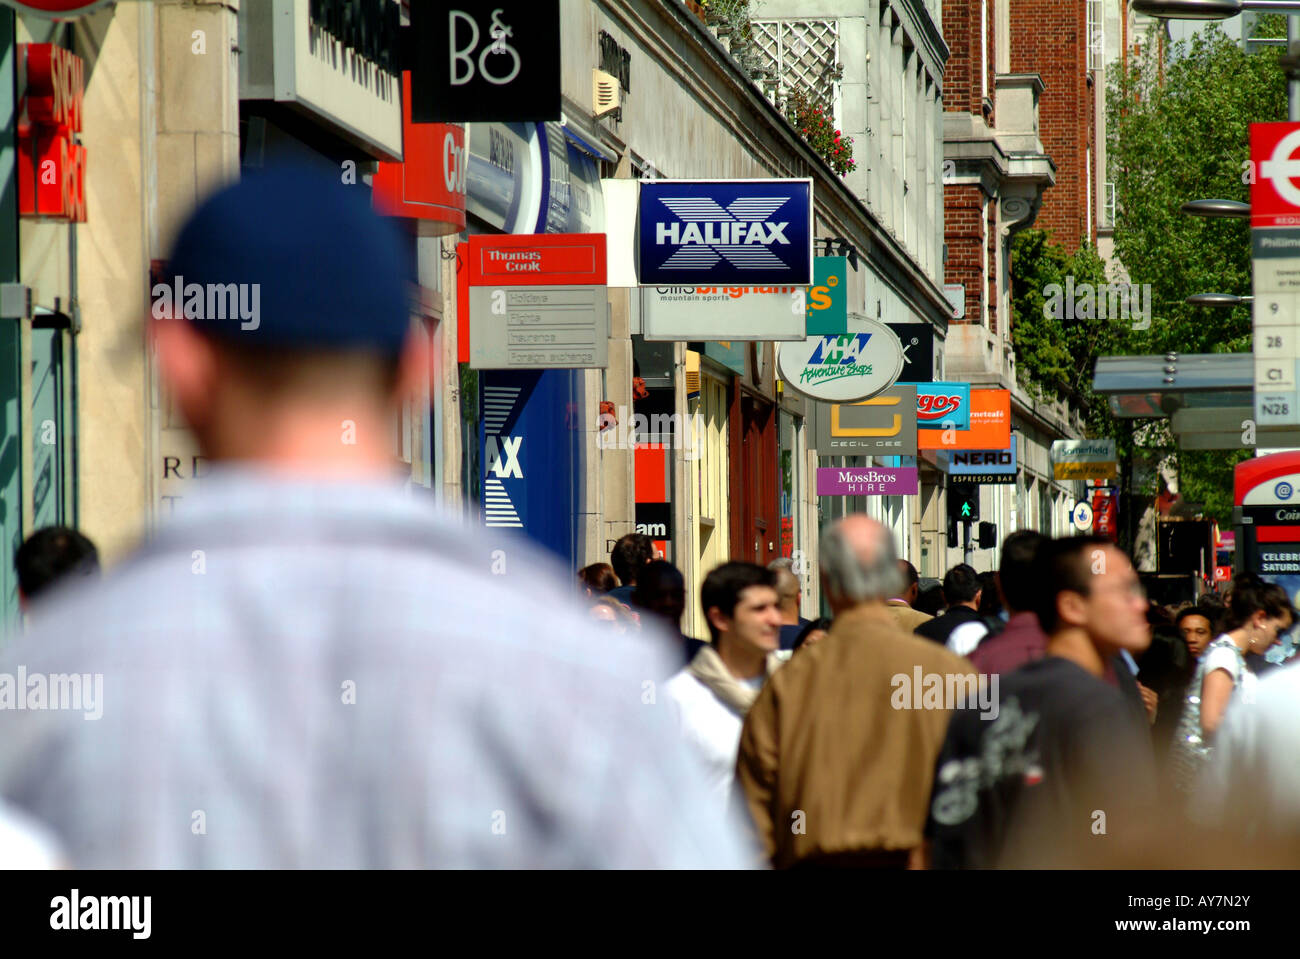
[697, 233]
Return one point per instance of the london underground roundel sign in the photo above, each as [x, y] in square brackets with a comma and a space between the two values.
[56, 9]
[844, 367]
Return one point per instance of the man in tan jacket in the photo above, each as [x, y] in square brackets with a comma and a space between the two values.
[837, 753]
[907, 617]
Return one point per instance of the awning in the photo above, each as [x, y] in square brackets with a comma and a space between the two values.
[586, 146]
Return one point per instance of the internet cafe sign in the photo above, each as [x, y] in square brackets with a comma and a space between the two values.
[1084, 459]
[844, 368]
[335, 59]
[477, 62]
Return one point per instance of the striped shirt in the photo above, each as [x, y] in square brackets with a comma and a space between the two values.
[319, 674]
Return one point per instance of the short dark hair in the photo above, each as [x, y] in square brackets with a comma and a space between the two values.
[1204, 612]
[1063, 565]
[630, 553]
[909, 572]
[599, 576]
[657, 576]
[960, 584]
[723, 586]
[49, 555]
[1016, 570]
[929, 600]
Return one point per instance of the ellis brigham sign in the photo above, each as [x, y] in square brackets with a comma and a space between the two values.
[478, 61]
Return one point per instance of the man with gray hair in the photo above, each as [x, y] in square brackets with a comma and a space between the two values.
[788, 590]
[835, 762]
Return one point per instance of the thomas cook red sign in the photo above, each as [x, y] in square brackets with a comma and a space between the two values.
[51, 164]
[55, 9]
[1275, 164]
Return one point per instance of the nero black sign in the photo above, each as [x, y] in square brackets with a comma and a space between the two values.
[485, 61]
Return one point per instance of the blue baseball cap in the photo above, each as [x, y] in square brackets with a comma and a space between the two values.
[291, 257]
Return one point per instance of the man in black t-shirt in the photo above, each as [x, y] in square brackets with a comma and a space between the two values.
[1062, 774]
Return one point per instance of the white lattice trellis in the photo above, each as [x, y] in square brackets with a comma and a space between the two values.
[803, 55]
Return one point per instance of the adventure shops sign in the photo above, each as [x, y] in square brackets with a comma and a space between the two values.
[843, 369]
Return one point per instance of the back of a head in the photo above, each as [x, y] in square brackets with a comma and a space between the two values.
[299, 286]
[859, 561]
[910, 576]
[960, 584]
[1017, 572]
[599, 577]
[990, 603]
[51, 554]
[1249, 595]
[787, 583]
[1064, 565]
[630, 553]
[929, 601]
[657, 579]
[724, 584]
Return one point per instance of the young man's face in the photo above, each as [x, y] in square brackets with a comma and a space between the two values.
[1116, 606]
[1196, 633]
[756, 622]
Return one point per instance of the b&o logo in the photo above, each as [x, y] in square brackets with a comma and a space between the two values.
[489, 63]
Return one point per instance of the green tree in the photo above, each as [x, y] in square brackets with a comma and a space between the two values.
[1178, 131]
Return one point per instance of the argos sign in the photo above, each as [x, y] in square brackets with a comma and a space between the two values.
[844, 368]
[941, 406]
[725, 233]
[51, 164]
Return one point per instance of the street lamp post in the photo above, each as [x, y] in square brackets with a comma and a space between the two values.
[1221, 10]
[1218, 299]
[1226, 209]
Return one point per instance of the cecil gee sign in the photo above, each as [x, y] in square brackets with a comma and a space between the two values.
[725, 233]
[845, 368]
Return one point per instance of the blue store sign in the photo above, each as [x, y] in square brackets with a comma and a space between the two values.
[531, 442]
[725, 232]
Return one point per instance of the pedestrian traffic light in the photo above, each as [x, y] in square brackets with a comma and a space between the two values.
[988, 535]
[963, 502]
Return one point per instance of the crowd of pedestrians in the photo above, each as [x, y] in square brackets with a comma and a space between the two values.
[1082, 729]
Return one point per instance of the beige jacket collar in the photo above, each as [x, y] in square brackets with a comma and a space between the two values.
[708, 668]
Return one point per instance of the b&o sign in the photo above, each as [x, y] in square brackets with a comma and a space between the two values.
[485, 61]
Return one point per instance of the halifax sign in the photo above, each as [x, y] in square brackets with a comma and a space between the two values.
[725, 233]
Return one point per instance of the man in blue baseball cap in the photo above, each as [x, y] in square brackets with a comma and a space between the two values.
[308, 667]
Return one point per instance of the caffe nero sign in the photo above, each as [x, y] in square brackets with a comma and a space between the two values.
[480, 62]
[725, 233]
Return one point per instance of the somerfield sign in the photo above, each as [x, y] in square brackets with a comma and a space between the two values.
[725, 233]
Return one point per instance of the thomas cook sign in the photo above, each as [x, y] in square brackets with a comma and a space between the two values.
[725, 233]
[844, 368]
[485, 61]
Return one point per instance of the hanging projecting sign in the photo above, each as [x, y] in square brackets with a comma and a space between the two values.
[980, 466]
[51, 164]
[867, 481]
[989, 412]
[918, 351]
[828, 298]
[485, 61]
[335, 59]
[55, 9]
[723, 313]
[537, 302]
[1084, 459]
[429, 185]
[842, 369]
[725, 233]
[1275, 242]
[884, 425]
[943, 406]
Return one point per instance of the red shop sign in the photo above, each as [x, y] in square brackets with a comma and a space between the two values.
[55, 9]
[51, 164]
[429, 184]
[537, 259]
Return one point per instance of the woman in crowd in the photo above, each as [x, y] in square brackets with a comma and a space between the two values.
[1257, 615]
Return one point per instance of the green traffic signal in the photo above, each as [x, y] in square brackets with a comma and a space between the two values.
[965, 509]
